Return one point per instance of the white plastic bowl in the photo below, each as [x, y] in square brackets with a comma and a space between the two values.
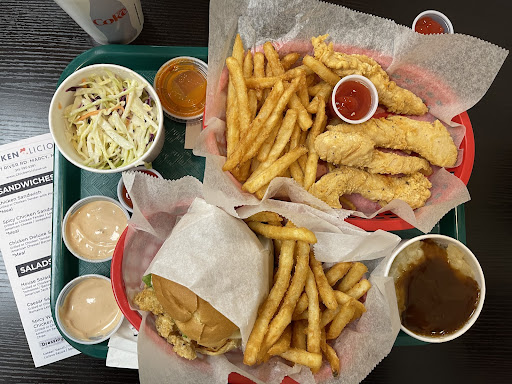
[60, 302]
[373, 93]
[77, 206]
[471, 259]
[61, 99]
[436, 16]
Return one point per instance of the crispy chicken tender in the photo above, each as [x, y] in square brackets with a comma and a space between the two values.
[395, 98]
[430, 140]
[413, 189]
[358, 150]
[147, 301]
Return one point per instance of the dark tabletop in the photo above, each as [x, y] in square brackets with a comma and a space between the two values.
[38, 40]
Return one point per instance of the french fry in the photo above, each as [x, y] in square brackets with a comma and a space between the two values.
[310, 171]
[272, 120]
[238, 50]
[259, 70]
[359, 289]
[284, 316]
[300, 356]
[235, 73]
[318, 126]
[331, 355]
[321, 70]
[248, 65]
[328, 315]
[337, 271]
[302, 92]
[261, 82]
[302, 304]
[232, 127]
[278, 167]
[260, 193]
[264, 217]
[256, 126]
[297, 173]
[289, 60]
[283, 344]
[283, 233]
[267, 145]
[273, 59]
[304, 119]
[341, 320]
[297, 72]
[359, 309]
[304, 315]
[314, 331]
[283, 137]
[299, 334]
[270, 305]
[355, 274]
[315, 89]
[324, 289]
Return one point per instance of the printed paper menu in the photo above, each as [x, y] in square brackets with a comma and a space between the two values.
[26, 188]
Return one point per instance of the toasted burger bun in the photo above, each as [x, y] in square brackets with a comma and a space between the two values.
[195, 318]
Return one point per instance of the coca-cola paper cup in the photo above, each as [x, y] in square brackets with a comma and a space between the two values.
[107, 21]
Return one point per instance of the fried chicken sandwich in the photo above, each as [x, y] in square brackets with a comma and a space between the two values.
[185, 320]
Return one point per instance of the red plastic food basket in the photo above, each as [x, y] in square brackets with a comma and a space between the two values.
[134, 317]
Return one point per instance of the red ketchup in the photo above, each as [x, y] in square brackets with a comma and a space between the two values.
[428, 26]
[353, 100]
[126, 196]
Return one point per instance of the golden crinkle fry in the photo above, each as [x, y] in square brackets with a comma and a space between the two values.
[307, 306]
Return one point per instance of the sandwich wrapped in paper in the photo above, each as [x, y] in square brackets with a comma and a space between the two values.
[176, 235]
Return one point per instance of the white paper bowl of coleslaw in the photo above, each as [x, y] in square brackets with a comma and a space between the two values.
[106, 118]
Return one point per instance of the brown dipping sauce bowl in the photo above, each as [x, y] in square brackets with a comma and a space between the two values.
[401, 271]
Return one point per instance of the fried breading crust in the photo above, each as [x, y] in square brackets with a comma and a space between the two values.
[395, 98]
[413, 189]
[430, 140]
[357, 150]
[166, 327]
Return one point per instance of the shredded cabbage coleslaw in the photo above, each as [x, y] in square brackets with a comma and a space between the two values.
[112, 121]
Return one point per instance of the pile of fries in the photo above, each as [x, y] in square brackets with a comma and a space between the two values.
[306, 308]
[270, 127]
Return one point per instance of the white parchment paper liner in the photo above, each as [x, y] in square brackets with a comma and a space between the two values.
[450, 72]
[158, 204]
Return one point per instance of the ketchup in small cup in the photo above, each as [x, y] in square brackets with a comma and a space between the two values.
[122, 193]
[432, 22]
[355, 99]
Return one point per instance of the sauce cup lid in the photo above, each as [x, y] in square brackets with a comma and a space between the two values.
[73, 209]
[60, 301]
[373, 94]
[436, 16]
[120, 185]
[470, 258]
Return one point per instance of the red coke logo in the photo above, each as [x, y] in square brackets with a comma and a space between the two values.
[115, 17]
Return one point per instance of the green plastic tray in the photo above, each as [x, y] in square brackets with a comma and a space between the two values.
[72, 183]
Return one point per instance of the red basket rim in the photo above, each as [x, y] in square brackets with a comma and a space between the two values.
[116, 277]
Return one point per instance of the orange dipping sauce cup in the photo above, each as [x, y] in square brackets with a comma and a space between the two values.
[181, 86]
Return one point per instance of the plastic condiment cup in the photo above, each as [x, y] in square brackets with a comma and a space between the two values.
[60, 303]
[470, 259]
[436, 16]
[61, 99]
[75, 207]
[373, 94]
[185, 62]
[120, 185]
